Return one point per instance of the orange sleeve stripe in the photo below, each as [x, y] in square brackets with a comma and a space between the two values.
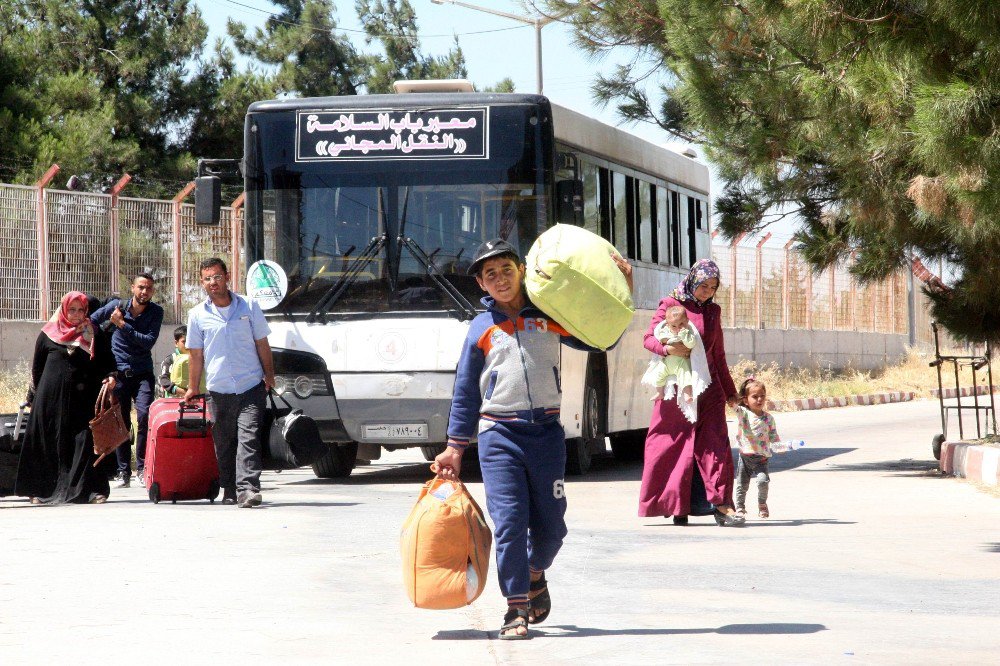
[485, 341]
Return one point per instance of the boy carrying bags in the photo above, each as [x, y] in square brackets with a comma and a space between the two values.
[508, 395]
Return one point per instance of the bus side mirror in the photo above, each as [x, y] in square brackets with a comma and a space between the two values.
[207, 199]
[569, 201]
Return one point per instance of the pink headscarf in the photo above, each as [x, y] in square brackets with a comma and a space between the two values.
[61, 331]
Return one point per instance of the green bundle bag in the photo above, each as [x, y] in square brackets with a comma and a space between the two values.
[572, 278]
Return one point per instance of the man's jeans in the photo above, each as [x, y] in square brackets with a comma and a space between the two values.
[236, 425]
[138, 387]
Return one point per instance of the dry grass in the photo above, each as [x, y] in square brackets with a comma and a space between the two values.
[912, 374]
[13, 387]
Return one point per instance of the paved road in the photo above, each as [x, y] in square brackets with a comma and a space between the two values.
[870, 557]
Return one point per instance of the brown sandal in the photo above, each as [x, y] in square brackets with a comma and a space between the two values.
[762, 511]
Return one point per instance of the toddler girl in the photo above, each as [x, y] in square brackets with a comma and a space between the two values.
[757, 437]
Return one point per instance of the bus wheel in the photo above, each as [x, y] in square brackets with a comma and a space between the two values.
[578, 456]
[338, 462]
[628, 446]
[432, 452]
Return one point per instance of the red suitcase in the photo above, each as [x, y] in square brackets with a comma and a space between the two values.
[180, 455]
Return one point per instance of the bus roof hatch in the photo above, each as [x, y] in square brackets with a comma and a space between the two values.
[433, 86]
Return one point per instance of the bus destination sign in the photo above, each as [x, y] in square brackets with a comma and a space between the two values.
[331, 135]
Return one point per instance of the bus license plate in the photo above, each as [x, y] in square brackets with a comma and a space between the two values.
[396, 431]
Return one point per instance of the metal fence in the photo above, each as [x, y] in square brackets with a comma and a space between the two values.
[97, 242]
[774, 288]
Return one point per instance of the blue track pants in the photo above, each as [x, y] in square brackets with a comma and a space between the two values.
[523, 466]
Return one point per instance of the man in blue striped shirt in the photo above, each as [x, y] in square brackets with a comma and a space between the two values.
[227, 339]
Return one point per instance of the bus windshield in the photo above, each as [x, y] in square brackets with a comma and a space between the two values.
[337, 227]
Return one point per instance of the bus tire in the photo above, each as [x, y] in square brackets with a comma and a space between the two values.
[628, 446]
[338, 462]
[580, 451]
[578, 456]
[433, 451]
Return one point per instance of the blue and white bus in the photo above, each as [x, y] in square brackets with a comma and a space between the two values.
[369, 209]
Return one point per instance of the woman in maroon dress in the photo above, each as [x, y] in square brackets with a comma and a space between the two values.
[680, 455]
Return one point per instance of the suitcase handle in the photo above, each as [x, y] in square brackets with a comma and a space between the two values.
[197, 424]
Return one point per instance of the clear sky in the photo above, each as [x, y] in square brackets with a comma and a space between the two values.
[494, 47]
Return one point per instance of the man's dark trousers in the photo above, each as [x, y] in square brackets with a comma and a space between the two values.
[136, 387]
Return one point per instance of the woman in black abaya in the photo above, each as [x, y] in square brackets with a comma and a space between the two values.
[68, 368]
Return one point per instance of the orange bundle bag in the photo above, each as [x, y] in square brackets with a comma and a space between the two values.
[445, 543]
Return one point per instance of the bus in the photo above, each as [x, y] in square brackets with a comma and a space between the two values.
[361, 217]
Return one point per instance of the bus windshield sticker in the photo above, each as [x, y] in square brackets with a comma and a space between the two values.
[392, 135]
[266, 283]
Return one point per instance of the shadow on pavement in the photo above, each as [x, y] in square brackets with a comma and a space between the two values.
[793, 459]
[991, 547]
[754, 522]
[573, 631]
[907, 467]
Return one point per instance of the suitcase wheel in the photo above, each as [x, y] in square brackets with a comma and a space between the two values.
[213, 491]
[154, 493]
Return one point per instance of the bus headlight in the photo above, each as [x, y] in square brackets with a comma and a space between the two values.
[303, 386]
[300, 373]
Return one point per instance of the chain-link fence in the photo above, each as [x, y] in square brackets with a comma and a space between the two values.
[97, 242]
[766, 287]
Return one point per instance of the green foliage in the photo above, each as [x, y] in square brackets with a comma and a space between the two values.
[877, 124]
[393, 25]
[105, 87]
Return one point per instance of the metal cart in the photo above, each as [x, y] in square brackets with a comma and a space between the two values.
[985, 414]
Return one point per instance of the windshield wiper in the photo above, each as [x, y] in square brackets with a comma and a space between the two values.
[338, 288]
[466, 308]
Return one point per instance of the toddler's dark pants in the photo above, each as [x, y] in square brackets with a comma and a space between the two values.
[523, 465]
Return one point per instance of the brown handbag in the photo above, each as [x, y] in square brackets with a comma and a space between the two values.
[108, 426]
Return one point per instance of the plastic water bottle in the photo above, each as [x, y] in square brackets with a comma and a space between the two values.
[444, 491]
[787, 445]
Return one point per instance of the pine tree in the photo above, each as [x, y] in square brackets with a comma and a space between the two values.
[302, 44]
[393, 24]
[99, 85]
[877, 124]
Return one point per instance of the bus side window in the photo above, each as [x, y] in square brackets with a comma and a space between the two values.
[619, 213]
[591, 198]
[692, 221]
[675, 227]
[662, 227]
[604, 189]
[645, 214]
[632, 215]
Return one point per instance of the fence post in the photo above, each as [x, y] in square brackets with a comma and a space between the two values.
[833, 297]
[116, 234]
[854, 296]
[732, 280]
[786, 306]
[809, 298]
[234, 232]
[42, 231]
[178, 273]
[760, 280]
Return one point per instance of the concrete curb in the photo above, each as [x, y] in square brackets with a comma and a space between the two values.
[802, 404]
[965, 391]
[968, 461]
